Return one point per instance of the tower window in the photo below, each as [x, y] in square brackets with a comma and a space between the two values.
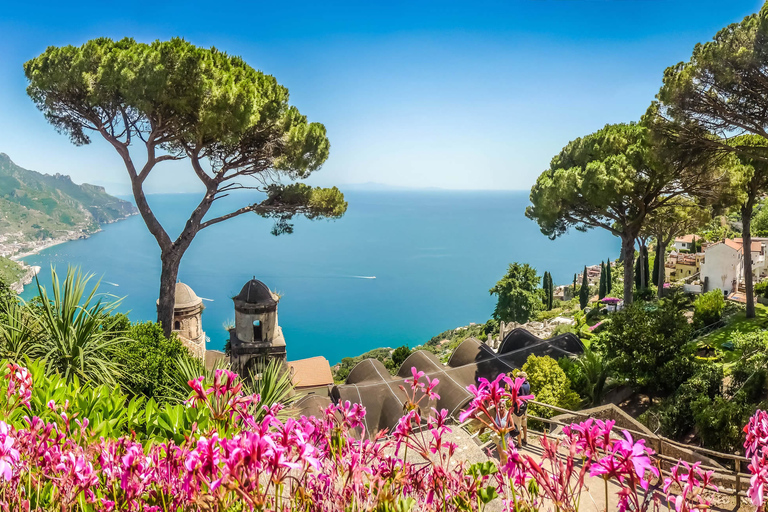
[176, 325]
[257, 330]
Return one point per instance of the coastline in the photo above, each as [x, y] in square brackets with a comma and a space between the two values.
[32, 270]
[52, 243]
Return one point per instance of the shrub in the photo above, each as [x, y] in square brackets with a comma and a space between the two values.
[677, 415]
[550, 385]
[148, 361]
[761, 288]
[647, 345]
[400, 354]
[708, 308]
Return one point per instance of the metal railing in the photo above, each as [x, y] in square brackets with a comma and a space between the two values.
[725, 475]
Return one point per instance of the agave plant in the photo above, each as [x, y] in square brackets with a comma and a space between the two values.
[76, 330]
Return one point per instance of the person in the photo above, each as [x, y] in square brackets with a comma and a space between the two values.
[509, 437]
[521, 412]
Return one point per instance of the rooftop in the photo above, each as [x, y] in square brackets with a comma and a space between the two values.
[257, 293]
[311, 372]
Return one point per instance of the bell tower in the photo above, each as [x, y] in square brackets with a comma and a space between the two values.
[256, 337]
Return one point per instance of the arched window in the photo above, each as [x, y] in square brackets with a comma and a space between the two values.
[176, 325]
[257, 330]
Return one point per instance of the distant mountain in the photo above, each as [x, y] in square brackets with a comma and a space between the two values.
[41, 206]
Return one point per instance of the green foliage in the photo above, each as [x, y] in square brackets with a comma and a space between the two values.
[10, 271]
[400, 354]
[517, 294]
[708, 308]
[641, 269]
[595, 370]
[584, 290]
[719, 420]
[76, 331]
[549, 291]
[273, 385]
[647, 345]
[347, 363]
[17, 329]
[148, 361]
[677, 416]
[761, 289]
[602, 287]
[550, 385]
[109, 411]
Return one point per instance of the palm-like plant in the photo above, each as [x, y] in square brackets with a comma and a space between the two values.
[273, 383]
[596, 371]
[76, 330]
[16, 331]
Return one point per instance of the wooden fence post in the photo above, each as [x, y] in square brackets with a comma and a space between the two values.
[738, 484]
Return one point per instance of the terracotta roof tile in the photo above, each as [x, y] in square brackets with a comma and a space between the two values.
[311, 372]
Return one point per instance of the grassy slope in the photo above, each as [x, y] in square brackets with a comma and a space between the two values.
[739, 323]
[10, 271]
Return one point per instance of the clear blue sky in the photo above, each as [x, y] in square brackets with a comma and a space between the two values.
[465, 95]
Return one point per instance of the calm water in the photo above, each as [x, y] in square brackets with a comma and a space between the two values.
[434, 256]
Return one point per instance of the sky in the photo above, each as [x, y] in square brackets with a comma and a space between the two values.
[454, 95]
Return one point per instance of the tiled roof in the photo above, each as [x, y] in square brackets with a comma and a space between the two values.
[687, 239]
[311, 372]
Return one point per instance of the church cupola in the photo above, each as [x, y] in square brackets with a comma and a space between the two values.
[256, 337]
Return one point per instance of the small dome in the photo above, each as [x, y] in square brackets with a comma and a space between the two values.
[185, 297]
[256, 293]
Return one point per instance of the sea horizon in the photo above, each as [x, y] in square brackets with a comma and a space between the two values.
[399, 268]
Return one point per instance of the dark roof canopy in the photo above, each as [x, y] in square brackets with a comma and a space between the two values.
[255, 293]
[370, 384]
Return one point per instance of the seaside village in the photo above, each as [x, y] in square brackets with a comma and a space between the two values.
[640, 385]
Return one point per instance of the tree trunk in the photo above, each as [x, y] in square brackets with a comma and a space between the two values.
[628, 251]
[167, 299]
[746, 235]
[660, 253]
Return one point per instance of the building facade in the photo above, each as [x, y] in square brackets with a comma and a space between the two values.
[188, 320]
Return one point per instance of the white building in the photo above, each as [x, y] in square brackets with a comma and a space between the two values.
[723, 265]
[685, 243]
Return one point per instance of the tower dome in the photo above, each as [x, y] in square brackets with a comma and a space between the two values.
[256, 336]
[188, 321]
[185, 297]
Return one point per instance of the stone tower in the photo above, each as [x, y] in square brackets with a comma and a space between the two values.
[188, 320]
[256, 337]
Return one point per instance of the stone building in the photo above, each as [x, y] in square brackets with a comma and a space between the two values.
[188, 320]
[256, 337]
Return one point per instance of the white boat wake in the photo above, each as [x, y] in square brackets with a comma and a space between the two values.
[113, 284]
[363, 277]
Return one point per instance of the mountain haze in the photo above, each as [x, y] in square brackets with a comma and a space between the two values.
[36, 206]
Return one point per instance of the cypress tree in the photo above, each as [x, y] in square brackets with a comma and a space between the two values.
[656, 265]
[601, 288]
[584, 291]
[646, 267]
[545, 288]
[551, 292]
[574, 285]
[608, 278]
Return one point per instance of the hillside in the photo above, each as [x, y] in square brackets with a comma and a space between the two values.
[37, 207]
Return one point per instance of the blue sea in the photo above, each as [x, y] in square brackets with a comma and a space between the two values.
[397, 269]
